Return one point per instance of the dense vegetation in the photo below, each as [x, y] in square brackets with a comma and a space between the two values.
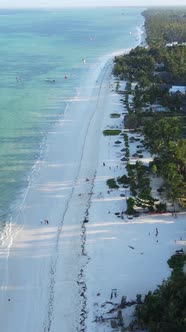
[165, 26]
[159, 65]
[137, 65]
[152, 71]
[175, 62]
[164, 310]
[162, 139]
[161, 116]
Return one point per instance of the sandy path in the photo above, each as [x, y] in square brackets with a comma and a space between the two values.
[41, 265]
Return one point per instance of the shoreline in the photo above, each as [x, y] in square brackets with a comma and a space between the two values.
[56, 270]
[31, 258]
[28, 282]
[15, 206]
[124, 255]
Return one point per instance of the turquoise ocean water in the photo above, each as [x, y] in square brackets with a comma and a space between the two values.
[34, 46]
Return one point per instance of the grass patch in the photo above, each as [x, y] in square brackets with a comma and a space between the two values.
[111, 132]
[111, 183]
[115, 115]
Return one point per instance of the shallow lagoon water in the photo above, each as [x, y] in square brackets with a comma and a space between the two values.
[36, 45]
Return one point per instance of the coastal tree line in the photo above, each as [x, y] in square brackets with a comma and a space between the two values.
[164, 309]
[164, 132]
[150, 71]
[165, 26]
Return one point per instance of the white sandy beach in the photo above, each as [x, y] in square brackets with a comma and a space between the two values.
[51, 274]
[125, 255]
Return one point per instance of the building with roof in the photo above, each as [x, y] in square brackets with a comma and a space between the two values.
[179, 89]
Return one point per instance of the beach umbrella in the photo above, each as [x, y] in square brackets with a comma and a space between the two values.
[123, 150]
[124, 159]
[117, 142]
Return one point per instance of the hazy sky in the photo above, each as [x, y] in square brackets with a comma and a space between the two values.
[70, 3]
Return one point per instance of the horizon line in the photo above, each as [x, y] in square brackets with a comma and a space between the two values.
[93, 6]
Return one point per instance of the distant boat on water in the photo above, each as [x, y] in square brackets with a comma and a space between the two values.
[18, 78]
[51, 80]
